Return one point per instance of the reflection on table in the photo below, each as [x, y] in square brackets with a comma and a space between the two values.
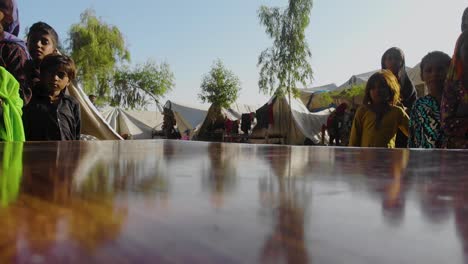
[178, 202]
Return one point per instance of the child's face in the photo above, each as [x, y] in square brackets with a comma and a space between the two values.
[56, 79]
[40, 45]
[374, 94]
[393, 62]
[433, 74]
[379, 93]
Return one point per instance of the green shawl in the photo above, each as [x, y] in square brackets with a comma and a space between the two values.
[12, 128]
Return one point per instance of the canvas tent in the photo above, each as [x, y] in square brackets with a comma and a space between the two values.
[187, 117]
[362, 79]
[92, 123]
[136, 124]
[311, 97]
[303, 124]
[357, 80]
[234, 112]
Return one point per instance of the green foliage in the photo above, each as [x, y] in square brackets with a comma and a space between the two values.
[220, 86]
[131, 87]
[325, 99]
[286, 63]
[350, 93]
[96, 48]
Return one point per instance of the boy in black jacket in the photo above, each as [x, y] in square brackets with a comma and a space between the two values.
[51, 114]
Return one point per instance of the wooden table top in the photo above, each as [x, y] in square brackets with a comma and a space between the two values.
[193, 202]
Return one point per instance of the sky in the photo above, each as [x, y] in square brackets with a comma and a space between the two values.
[346, 37]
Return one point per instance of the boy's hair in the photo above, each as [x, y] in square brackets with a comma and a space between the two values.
[434, 55]
[55, 61]
[386, 80]
[44, 28]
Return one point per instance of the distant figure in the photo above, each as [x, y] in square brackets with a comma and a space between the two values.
[335, 124]
[51, 114]
[92, 98]
[13, 51]
[424, 126]
[454, 106]
[394, 60]
[377, 121]
[186, 135]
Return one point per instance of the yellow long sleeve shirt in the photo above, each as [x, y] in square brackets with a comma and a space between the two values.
[365, 134]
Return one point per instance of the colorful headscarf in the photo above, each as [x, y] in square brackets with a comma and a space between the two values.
[455, 72]
[11, 32]
[14, 27]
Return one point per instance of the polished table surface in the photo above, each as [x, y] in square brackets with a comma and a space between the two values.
[193, 202]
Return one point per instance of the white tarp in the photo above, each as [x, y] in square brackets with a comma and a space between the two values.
[304, 123]
[235, 111]
[92, 123]
[137, 124]
[415, 76]
[187, 117]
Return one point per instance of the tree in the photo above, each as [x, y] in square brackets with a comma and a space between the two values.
[96, 48]
[131, 87]
[220, 86]
[286, 62]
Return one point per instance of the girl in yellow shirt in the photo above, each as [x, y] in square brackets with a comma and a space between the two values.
[377, 121]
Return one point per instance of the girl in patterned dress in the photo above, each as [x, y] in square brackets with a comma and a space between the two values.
[454, 106]
[424, 126]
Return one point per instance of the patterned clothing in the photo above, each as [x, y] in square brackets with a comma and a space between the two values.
[424, 125]
[455, 116]
[454, 106]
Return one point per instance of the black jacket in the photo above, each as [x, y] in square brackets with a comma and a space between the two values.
[45, 121]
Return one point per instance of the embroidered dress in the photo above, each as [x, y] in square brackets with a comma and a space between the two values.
[424, 126]
[454, 105]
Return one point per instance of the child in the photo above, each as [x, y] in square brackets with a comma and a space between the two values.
[42, 41]
[424, 126]
[394, 60]
[454, 106]
[377, 121]
[335, 123]
[51, 114]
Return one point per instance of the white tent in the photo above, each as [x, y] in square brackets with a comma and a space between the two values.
[234, 112]
[311, 96]
[303, 124]
[92, 123]
[136, 124]
[357, 80]
[363, 78]
[187, 117]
